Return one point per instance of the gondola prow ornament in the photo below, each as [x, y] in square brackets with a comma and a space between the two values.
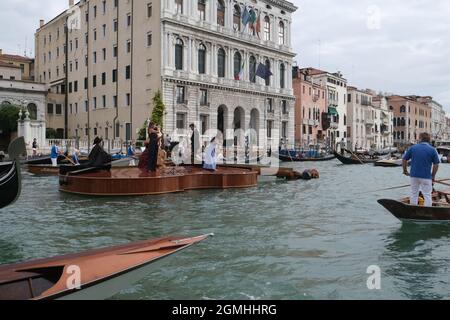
[10, 177]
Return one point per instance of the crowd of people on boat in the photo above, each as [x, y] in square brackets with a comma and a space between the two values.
[157, 146]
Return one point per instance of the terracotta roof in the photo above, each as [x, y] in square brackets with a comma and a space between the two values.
[13, 57]
[8, 65]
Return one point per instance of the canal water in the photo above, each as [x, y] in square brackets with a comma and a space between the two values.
[280, 240]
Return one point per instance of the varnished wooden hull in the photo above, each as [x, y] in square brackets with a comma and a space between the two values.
[102, 273]
[43, 169]
[407, 212]
[10, 184]
[135, 182]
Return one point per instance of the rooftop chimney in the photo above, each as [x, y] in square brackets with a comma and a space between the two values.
[71, 3]
[41, 23]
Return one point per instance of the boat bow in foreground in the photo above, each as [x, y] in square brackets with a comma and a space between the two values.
[92, 275]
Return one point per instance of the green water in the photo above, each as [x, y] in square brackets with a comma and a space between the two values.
[280, 240]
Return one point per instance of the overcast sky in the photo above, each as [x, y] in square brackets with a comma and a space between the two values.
[400, 46]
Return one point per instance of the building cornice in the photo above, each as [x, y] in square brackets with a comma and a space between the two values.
[286, 5]
[17, 90]
[227, 88]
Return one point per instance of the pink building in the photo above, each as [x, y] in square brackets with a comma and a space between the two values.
[310, 108]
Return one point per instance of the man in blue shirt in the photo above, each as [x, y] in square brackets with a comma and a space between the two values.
[424, 167]
[54, 154]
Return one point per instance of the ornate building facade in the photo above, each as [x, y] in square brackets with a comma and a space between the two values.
[221, 64]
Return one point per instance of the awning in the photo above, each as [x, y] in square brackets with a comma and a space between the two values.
[332, 111]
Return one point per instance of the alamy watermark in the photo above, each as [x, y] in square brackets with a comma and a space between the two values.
[374, 280]
[373, 21]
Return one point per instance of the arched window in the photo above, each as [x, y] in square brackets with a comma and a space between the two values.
[267, 28]
[220, 13]
[32, 109]
[202, 9]
[179, 54]
[252, 71]
[202, 59]
[268, 68]
[282, 75]
[402, 109]
[281, 33]
[179, 6]
[237, 18]
[395, 122]
[221, 63]
[237, 66]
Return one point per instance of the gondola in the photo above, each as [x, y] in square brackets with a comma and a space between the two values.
[92, 275]
[402, 210]
[10, 179]
[353, 159]
[287, 158]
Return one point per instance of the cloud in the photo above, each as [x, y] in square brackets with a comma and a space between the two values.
[397, 46]
[392, 46]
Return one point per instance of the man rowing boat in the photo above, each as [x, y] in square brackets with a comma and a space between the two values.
[424, 167]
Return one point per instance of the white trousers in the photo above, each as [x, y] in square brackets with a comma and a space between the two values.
[424, 185]
[54, 162]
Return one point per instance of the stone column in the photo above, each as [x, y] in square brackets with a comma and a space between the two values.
[213, 60]
[171, 50]
[189, 55]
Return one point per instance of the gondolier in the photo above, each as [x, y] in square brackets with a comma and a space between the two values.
[424, 167]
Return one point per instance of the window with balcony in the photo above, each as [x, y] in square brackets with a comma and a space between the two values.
[181, 121]
[180, 94]
[179, 54]
[202, 59]
[202, 9]
[252, 69]
[284, 107]
[281, 33]
[268, 68]
[220, 13]
[284, 130]
[221, 63]
[269, 103]
[282, 76]
[204, 124]
[269, 128]
[203, 97]
[267, 28]
[237, 18]
[237, 66]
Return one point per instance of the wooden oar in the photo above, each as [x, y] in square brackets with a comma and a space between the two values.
[404, 186]
[70, 160]
[355, 156]
[443, 183]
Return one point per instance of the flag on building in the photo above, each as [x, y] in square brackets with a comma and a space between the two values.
[252, 20]
[240, 75]
[245, 16]
[263, 72]
[258, 26]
